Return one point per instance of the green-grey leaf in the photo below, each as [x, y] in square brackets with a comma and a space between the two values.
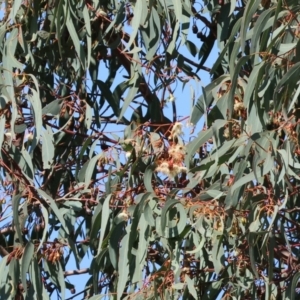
[123, 265]
[26, 260]
[47, 148]
[55, 209]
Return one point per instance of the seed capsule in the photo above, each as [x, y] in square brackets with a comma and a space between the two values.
[200, 35]
[195, 29]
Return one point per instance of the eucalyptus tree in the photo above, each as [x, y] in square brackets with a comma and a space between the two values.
[92, 165]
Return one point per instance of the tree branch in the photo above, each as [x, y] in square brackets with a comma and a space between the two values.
[196, 65]
[86, 289]
[76, 272]
[3, 251]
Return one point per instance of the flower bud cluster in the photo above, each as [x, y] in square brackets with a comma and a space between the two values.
[176, 131]
[177, 153]
[174, 165]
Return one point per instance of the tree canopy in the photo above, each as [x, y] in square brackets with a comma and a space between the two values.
[92, 162]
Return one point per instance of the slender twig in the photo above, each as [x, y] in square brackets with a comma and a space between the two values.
[197, 65]
[7, 229]
[75, 295]
[76, 272]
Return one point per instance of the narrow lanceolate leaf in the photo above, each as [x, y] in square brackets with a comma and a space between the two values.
[87, 22]
[136, 21]
[148, 177]
[16, 205]
[53, 108]
[234, 79]
[7, 78]
[54, 208]
[88, 116]
[251, 83]
[137, 214]
[37, 112]
[14, 273]
[76, 42]
[152, 40]
[205, 49]
[35, 275]
[45, 231]
[178, 13]
[202, 137]
[61, 280]
[28, 160]
[133, 90]
[250, 9]
[218, 254]
[14, 9]
[90, 169]
[26, 260]
[259, 27]
[3, 268]
[104, 220]
[202, 104]
[288, 81]
[2, 126]
[47, 148]
[116, 236]
[245, 179]
[293, 285]
[123, 265]
[191, 286]
[109, 96]
[170, 204]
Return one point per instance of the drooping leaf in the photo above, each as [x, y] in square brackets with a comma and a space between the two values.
[123, 264]
[47, 148]
[26, 260]
[53, 108]
[54, 208]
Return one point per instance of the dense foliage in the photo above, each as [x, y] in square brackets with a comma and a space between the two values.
[91, 164]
